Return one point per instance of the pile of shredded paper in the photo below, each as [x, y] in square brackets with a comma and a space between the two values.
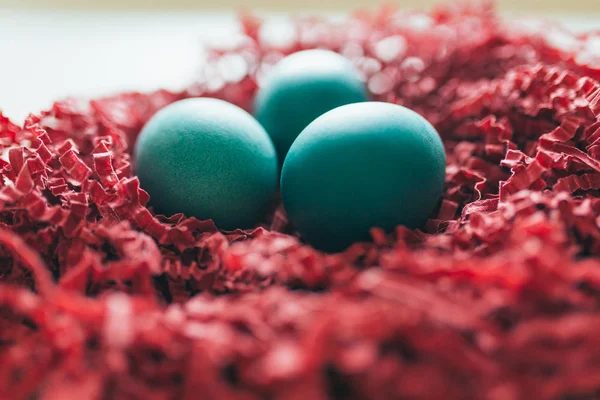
[498, 297]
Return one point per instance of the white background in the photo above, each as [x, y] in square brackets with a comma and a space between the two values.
[45, 56]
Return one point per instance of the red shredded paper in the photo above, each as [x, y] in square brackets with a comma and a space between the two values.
[497, 298]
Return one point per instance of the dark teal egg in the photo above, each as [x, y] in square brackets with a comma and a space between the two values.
[302, 87]
[209, 159]
[361, 166]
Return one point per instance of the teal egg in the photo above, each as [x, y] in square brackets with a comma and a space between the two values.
[361, 166]
[209, 159]
[302, 87]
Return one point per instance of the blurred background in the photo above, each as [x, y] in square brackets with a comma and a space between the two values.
[51, 49]
[549, 6]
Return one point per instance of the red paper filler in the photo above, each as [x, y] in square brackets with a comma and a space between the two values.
[498, 297]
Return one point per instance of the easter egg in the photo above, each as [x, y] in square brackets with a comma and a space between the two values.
[209, 159]
[361, 166]
[302, 87]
